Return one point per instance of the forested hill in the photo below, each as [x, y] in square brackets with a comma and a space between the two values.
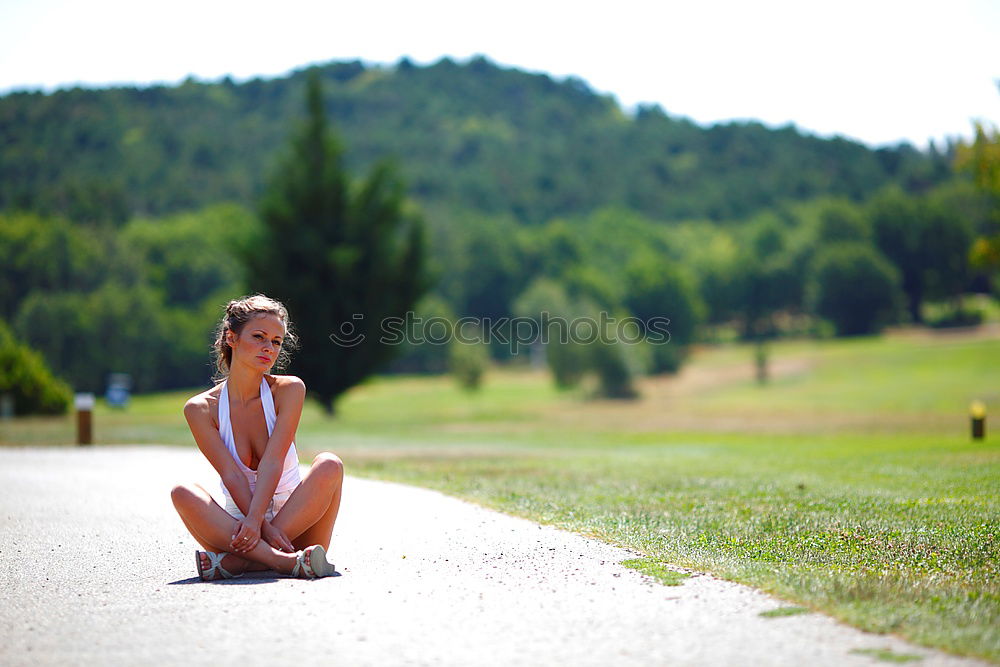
[469, 136]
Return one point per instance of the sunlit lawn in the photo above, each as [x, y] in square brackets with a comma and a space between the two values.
[849, 484]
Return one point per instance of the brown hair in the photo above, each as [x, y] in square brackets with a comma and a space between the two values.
[238, 313]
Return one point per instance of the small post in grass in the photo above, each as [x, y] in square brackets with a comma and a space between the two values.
[84, 404]
[977, 411]
[760, 360]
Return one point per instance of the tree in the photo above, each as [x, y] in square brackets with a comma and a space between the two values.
[430, 351]
[854, 287]
[489, 265]
[658, 288]
[982, 159]
[949, 237]
[928, 239]
[114, 329]
[765, 273]
[841, 221]
[766, 281]
[47, 254]
[342, 256]
[189, 258]
[547, 302]
[900, 235]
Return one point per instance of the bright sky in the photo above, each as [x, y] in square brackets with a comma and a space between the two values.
[878, 71]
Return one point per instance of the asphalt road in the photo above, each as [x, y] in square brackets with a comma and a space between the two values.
[96, 568]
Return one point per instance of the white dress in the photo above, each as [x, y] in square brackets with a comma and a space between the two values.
[290, 477]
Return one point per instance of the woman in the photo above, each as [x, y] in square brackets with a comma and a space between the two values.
[245, 426]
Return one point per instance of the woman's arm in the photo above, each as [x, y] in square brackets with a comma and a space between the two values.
[198, 415]
[288, 406]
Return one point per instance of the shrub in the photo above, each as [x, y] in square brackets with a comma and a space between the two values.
[614, 373]
[572, 352]
[956, 317]
[667, 358]
[468, 362]
[568, 363]
[24, 375]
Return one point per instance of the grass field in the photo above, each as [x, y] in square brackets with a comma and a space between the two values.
[849, 484]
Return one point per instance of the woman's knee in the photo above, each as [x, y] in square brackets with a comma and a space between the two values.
[185, 495]
[329, 466]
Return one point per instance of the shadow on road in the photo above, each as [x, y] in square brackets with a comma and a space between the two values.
[268, 577]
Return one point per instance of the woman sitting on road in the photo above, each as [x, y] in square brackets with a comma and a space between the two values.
[245, 426]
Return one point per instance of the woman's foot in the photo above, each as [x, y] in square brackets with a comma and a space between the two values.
[213, 566]
[311, 563]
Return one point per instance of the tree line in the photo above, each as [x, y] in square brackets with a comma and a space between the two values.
[467, 136]
[142, 296]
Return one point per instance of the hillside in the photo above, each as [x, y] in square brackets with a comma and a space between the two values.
[467, 136]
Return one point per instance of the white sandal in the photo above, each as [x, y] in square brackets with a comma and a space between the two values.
[317, 567]
[215, 570]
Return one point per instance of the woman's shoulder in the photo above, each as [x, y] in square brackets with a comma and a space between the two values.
[286, 384]
[205, 404]
[287, 390]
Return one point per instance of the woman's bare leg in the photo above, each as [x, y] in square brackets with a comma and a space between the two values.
[213, 527]
[231, 562]
[308, 515]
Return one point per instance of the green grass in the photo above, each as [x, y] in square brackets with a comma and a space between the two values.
[781, 612]
[656, 569]
[890, 533]
[848, 485]
[886, 655]
[885, 376]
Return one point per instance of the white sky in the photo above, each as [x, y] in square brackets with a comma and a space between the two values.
[875, 70]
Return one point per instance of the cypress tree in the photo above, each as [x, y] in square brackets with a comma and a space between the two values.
[342, 256]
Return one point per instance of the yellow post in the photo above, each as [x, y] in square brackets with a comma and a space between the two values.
[977, 411]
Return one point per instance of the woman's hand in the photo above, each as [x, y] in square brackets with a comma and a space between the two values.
[246, 535]
[276, 537]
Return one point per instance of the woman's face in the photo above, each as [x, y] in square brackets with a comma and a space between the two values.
[259, 342]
